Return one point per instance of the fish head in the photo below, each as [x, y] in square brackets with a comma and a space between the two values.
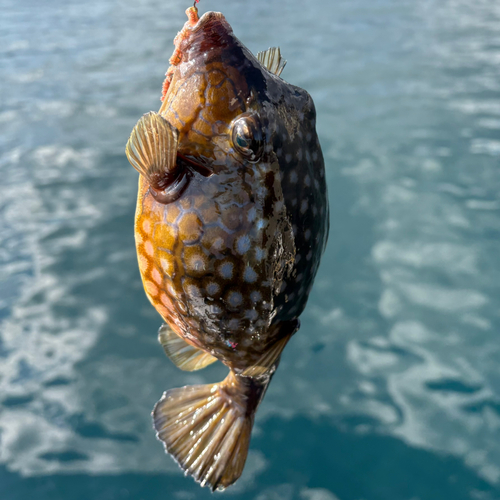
[212, 99]
[226, 106]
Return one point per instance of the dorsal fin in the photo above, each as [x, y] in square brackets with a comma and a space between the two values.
[183, 355]
[272, 60]
[266, 361]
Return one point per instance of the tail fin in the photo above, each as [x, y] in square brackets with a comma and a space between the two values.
[206, 428]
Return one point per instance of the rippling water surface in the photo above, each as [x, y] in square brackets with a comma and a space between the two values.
[391, 390]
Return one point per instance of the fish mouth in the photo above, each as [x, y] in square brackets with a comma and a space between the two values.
[212, 31]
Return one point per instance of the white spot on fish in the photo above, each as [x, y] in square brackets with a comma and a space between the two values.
[197, 263]
[213, 288]
[261, 224]
[308, 136]
[226, 270]
[252, 214]
[243, 244]
[307, 180]
[250, 276]
[218, 244]
[309, 255]
[293, 177]
[193, 291]
[234, 298]
[261, 192]
[288, 158]
[304, 205]
[260, 254]
[307, 234]
[251, 314]
[255, 296]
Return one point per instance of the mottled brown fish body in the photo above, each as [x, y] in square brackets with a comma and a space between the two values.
[229, 256]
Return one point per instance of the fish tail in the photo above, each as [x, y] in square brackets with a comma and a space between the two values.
[206, 428]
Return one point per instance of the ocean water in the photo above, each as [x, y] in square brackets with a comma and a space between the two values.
[391, 389]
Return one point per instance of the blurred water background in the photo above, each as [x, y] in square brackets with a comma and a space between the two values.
[391, 390]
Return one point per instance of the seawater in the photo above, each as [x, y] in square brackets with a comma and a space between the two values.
[391, 389]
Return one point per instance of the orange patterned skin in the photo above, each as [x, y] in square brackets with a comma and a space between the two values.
[230, 263]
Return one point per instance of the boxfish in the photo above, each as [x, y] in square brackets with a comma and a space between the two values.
[231, 221]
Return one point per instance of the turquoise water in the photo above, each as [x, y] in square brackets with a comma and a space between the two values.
[391, 389]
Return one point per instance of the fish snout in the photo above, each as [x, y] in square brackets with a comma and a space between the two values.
[208, 36]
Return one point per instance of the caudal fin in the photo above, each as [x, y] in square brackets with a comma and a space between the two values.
[207, 428]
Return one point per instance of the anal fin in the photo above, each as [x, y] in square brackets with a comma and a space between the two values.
[183, 355]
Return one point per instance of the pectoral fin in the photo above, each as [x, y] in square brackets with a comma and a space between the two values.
[152, 148]
[183, 355]
[272, 60]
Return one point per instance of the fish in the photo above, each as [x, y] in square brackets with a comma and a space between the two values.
[232, 219]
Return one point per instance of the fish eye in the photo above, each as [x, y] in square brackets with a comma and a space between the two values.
[246, 136]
